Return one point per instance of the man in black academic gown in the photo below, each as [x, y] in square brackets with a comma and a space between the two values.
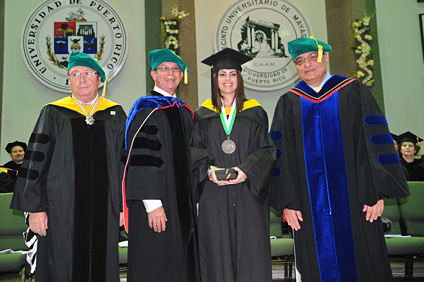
[158, 182]
[16, 151]
[337, 162]
[9, 170]
[69, 181]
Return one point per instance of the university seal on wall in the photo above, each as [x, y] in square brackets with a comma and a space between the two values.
[261, 30]
[55, 29]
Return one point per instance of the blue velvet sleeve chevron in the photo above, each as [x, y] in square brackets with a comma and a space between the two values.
[375, 120]
[381, 139]
[381, 176]
[388, 159]
[277, 135]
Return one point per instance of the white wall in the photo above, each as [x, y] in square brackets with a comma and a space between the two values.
[399, 39]
[402, 64]
[206, 18]
[24, 96]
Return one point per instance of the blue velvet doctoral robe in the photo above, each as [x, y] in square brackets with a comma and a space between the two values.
[335, 155]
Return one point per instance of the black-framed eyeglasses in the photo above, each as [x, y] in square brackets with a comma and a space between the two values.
[75, 75]
[167, 69]
[313, 57]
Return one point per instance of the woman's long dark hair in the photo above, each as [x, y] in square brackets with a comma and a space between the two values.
[240, 96]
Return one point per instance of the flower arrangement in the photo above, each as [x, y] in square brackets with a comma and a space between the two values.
[362, 49]
[170, 29]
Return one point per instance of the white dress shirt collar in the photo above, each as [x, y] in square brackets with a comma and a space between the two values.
[327, 77]
[163, 92]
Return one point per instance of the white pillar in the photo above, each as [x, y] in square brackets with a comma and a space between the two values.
[249, 36]
[275, 35]
[253, 35]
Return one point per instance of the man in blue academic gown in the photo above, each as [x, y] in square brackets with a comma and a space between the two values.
[158, 180]
[336, 164]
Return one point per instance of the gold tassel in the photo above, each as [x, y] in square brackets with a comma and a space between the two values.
[418, 144]
[320, 52]
[319, 60]
[104, 87]
[185, 76]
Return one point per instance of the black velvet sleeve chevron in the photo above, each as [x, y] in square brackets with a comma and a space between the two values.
[29, 193]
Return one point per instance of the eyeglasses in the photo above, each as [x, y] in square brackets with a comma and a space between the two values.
[167, 69]
[76, 75]
[311, 58]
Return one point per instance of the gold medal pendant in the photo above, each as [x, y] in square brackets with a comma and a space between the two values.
[228, 146]
[88, 116]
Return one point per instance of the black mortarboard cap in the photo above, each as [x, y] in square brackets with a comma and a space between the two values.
[226, 59]
[10, 146]
[409, 137]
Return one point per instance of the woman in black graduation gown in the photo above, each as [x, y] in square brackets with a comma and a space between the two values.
[233, 214]
[412, 167]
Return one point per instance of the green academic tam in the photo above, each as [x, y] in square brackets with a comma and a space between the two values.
[304, 45]
[78, 59]
[159, 56]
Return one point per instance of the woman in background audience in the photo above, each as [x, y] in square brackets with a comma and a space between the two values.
[412, 166]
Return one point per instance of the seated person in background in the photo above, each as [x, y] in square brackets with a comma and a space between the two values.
[17, 153]
[409, 146]
[9, 170]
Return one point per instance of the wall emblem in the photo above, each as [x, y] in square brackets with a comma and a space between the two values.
[55, 29]
[261, 30]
